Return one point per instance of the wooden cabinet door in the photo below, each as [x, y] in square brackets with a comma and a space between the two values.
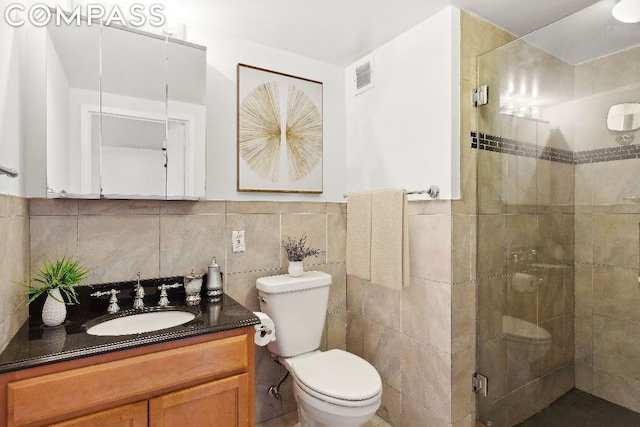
[132, 415]
[221, 403]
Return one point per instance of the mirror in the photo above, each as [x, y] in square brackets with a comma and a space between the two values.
[186, 107]
[126, 114]
[73, 87]
[624, 117]
[133, 113]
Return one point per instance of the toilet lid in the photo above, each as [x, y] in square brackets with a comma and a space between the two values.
[338, 374]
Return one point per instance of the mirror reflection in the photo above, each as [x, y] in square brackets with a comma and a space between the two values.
[133, 113]
[624, 117]
[185, 111]
[125, 114]
[73, 85]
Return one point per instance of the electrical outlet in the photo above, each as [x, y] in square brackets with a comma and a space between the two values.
[237, 241]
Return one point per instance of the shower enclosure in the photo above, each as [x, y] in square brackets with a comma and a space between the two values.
[558, 219]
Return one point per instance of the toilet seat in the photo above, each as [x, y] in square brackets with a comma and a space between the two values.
[338, 377]
[523, 331]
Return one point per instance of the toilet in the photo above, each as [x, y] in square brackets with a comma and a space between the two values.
[333, 388]
[527, 342]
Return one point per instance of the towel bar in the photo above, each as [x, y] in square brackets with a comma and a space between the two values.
[433, 191]
[10, 172]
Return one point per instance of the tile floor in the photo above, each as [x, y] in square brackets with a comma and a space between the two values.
[577, 408]
[291, 418]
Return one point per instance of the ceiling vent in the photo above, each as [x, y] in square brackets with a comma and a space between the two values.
[364, 76]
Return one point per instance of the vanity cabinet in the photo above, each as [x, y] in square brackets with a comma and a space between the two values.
[201, 381]
[215, 403]
[133, 415]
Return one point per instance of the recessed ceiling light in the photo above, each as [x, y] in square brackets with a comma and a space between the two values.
[627, 11]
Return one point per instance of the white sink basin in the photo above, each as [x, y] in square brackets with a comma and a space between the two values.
[137, 323]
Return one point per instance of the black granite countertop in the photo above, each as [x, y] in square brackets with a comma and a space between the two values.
[35, 344]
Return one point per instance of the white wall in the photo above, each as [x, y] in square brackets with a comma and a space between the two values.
[404, 132]
[11, 106]
[122, 166]
[223, 55]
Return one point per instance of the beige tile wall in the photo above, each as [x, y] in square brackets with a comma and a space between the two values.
[14, 268]
[607, 299]
[422, 345]
[607, 243]
[167, 238]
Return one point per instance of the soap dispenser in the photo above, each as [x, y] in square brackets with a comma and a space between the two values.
[214, 281]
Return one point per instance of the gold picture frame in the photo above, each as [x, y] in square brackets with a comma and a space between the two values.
[280, 146]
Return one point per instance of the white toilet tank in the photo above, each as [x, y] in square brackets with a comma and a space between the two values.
[298, 308]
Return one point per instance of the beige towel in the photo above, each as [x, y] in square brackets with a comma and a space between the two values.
[359, 234]
[389, 238]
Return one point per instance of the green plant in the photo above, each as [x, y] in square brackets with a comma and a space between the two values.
[61, 274]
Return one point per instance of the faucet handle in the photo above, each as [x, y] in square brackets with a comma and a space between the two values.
[164, 298]
[98, 294]
[138, 297]
[113, 301]
[139, 292]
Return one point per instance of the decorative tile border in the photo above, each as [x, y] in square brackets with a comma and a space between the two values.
[498, 144]
[621, 152]
[517, 148]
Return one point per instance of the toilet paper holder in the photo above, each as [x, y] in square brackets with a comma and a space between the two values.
[263, 330]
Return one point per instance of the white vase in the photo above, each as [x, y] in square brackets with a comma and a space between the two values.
[54, 312]
[295, 268]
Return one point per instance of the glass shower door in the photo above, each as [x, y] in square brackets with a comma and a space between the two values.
[558, 244]
[525, 233]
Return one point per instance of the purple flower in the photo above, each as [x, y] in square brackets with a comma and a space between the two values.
[297, 250]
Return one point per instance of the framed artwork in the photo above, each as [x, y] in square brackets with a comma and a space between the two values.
[279, 132]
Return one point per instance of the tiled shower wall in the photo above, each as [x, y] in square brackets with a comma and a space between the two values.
[524, 242]
[558, 185]
[14, 264]
[169, 238]
[607, 242]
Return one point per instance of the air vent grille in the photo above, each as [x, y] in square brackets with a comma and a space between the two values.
[364, 76]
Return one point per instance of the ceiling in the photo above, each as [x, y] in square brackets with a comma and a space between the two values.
[343, 31]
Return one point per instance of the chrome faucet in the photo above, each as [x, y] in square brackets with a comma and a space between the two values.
[113, 300]
[138, 295]
[164, 298]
